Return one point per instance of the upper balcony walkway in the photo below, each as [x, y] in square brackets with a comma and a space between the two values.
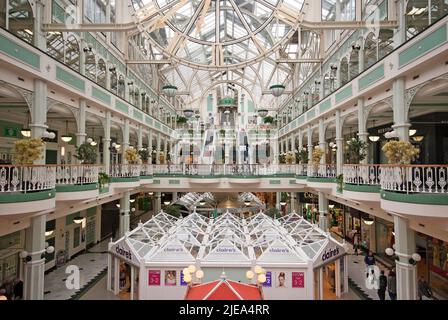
[408, 189]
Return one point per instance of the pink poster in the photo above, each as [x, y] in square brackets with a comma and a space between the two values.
[154, 278]
[298, 280]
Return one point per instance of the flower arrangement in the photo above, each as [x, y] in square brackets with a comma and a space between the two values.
[103, 179]
[26, 151]
[357, 150]
[289, 157]
[144, 155]
[303, 155]
[162, 157]
[400, 152]
[272, 212]
[317, 155]
[268, 120]
[86, 153]
[282, 158]
[173, 210]
[131, 155]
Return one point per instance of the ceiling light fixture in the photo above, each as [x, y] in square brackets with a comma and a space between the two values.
[66, 137]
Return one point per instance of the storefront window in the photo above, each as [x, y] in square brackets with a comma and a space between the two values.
[438, 266]
[384, 237]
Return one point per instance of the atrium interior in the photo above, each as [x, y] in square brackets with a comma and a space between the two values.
[224, 149]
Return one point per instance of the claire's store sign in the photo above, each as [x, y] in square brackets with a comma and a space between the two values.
[330, 253]
[173, 249]
[226, 250]
[124, 252]
[278, 250]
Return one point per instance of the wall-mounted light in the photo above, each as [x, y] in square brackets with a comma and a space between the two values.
[49, 233]
[418, 138]
[374, 138]
[368, 221]
[78, 219]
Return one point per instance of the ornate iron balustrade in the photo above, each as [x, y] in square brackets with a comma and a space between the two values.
[125, 170]
[77, 174]
[27, 178]
[362, 174]
[321, 171]
[414, 178]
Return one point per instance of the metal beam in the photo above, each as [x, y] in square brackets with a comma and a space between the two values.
[161, 61]
[303, 60]
[347, 25]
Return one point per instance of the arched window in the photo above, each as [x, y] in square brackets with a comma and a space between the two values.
[121, 86]
[72, 52]
[55, 45]
[90, 66]
[113, 80]
[21, 20]
[370, 51]
[101, 77]
[344, 71]
[354, 64]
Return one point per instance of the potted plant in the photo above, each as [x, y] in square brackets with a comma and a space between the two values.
[161, 157]
[268, 120]
[317, 156]
[173, 210]
[289, 157]
[340, 182]
[181, 120]
[303, 155]
[400, 152]
[144, 155]
[222, 132]
[357, 150]
[282, 158]
[86, 153]
[103, 180]
[273, 213]
[131, 155]
[26, 151]
[284, 197]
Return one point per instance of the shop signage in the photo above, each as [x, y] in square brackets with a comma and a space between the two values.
[278, 250]
[225, 250]
[124, 252]
[182, 281]
[153, 277]
[173, 249]
[330, 253]
[298, 280]
[268, 282]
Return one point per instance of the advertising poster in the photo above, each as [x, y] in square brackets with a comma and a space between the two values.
[154, 277]
[268, 282]
[298, 280]
[182, 282]
[281, 279]
[170, 277]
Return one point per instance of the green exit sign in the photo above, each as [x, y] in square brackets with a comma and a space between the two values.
[10, 132]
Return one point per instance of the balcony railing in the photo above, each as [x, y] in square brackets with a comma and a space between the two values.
[301, 169]
[359, 174]
[77, 174]
[146, 170]
[27, 178]
[321, 171]
[125, 170]
[414, 178]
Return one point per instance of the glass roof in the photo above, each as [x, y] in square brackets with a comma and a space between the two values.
[198, 237]
[211, 42]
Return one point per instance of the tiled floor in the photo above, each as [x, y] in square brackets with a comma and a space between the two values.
[90, 265]
[99, 292]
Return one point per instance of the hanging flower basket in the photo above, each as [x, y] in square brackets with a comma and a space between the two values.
[170, 90]
[277, 89]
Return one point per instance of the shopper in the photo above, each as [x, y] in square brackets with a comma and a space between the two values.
[18, 289]
[423, 288]
[356, 241]
[369, 259]
[382, 286]
[392, 285]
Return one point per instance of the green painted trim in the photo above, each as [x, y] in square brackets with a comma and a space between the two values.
[428, 43]
[76, 187]
[310, 114]
[91, 211]
[324, 106]
[146, 177]
[16, 51]
[148, 120]
[274, 182]
[70, 79]
[416, 198]
[344, 94]
[124, 179]
[169, 86]
[101, 95]
[156, 182]
[301, 177]
[292, 181]
[319, 179]
[104, 189]
[137, 114]
[371, 77]
[6, 197]
[277, 86]
[120, 105]
[173, 181]
[362, 188]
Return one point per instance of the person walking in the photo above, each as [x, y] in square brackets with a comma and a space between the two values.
[18, 289]
[356, 241]
[392, 285]
[423, 288]
[369, 260]
[382, 286]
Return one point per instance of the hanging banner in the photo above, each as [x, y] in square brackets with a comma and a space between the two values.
[298, 279]
[153, 277]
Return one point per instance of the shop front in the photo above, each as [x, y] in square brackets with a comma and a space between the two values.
[149, 262]
[385, 238]
[363, 223]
